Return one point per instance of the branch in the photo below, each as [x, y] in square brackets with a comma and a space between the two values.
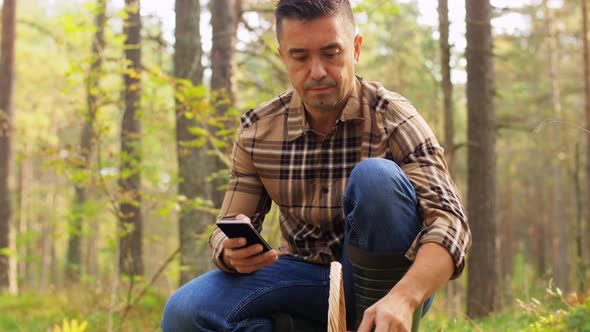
[545, 123]
[128, 305]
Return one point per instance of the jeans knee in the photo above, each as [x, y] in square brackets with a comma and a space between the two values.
[375, 178]
[179, 312]
[380, 207]
[173, 313]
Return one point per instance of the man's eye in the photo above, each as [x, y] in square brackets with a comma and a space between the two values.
[300, 58]
[331, 55]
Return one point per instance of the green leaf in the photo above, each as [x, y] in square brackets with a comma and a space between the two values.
[197, 131]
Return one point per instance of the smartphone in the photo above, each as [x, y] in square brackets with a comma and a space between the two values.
[243, 228]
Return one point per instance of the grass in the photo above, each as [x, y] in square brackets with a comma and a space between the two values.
[42, 312]
[507, 320]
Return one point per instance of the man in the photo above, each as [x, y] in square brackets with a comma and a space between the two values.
[358, 177]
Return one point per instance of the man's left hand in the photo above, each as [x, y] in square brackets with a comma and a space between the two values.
[393, 313]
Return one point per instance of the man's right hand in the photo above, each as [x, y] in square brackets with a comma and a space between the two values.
[247, 259]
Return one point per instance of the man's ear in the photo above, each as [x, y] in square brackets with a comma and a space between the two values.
[358, 41]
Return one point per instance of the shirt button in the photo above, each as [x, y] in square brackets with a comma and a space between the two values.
[325, 190]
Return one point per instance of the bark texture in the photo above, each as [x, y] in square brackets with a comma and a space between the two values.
[130, 258]
[482, 270]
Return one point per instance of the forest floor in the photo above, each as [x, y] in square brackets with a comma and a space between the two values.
[51, 311]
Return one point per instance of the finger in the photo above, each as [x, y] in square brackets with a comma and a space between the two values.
[384, 326]
[367, 322]
[254, 267]
[386, 321]
[233, 243]
[246, 252]
[257, 260]
[242, 216]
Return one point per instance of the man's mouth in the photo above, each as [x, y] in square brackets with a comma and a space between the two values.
[320, 88]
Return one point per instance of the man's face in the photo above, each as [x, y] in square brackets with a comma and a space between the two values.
[320, 56]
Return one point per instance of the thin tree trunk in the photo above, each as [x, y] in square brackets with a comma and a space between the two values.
[26, 222]
[6, 87]
[506, 248]
[580, 270]
[92, 244]
[130, 258]
[481, 192]
[73, 262]
[224, 15]
[538, 195]
[21, 214]
[454, 288]
[447, 84]
[586, 62]
[193, 163]
[47, 219]
[224, 22]
[560, 253]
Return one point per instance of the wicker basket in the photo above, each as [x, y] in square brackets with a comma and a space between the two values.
[337, 307]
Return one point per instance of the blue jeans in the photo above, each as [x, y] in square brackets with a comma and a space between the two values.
[381, 215]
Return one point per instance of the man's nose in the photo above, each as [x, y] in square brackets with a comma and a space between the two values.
[318, 70]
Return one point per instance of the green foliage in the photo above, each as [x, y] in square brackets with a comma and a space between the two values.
[395, 43]
[41, 312]
[92, 306]
[576, 319]
[552, 314]
[557, 312]
[508, 320]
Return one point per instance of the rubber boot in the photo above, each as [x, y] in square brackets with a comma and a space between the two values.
[373, 276]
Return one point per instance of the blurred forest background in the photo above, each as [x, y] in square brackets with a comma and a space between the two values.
[115, 143]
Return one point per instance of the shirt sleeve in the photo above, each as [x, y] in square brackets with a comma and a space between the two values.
[420, 156]
[245, 195]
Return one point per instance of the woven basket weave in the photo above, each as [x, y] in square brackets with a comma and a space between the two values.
[337, 308]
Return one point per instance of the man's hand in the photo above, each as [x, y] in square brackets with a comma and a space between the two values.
[393, 313]
[432, 268]
[248, 259]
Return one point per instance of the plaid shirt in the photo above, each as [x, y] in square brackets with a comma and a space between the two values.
[278, 157]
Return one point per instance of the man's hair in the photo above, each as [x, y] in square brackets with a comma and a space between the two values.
[312, 9]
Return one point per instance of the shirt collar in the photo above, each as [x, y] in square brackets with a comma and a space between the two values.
[297, 122]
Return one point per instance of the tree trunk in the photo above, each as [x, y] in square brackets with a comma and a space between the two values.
[580, 271]
[537, 195]
[560, 223]
[6, 86]
[587, 113]
[47, 243]
[193, 162]
[224, 16]
[505, 245]
[224, 22]
[21, 220]
[454, 287]
[447, 84]
[73, 262]
[130, 258]
[25, 178]
[481, 192]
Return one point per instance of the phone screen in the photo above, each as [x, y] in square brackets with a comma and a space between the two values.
[243, 228]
